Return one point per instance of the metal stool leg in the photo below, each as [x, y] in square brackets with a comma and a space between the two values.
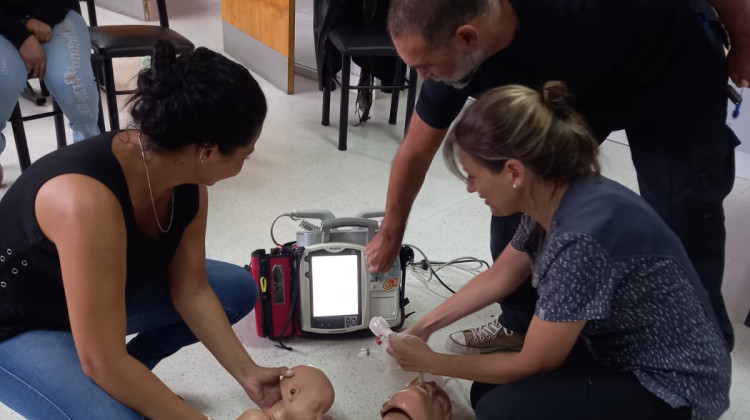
[398, 80]
[96, 64]
[100, 118]
[344, 116]
[22, 148]
[327, 87]
[38, 98]
[411, 98]
[109, 87]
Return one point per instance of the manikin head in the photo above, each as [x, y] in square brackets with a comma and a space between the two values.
[447, 40]
[415, 402]
[307, 395]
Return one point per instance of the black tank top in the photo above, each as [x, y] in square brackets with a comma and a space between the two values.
[31, 287]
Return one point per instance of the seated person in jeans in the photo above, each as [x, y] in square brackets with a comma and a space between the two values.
[50, 40]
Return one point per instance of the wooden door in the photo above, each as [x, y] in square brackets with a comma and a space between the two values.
[260, 35]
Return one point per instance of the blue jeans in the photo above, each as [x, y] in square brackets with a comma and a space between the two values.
[41, 376]
[69, 77]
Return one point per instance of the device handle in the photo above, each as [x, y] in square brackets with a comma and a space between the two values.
[323, 215]
[370, 214]
[327, 225]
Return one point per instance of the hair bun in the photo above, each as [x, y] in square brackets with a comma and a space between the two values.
[163, 56]
[556, 97]
[163, 75]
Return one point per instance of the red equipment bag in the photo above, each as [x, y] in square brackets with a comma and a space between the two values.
[273, 274]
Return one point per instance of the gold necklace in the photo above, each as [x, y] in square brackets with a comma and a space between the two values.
[151, 193]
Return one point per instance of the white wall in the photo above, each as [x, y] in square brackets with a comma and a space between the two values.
[134, 8]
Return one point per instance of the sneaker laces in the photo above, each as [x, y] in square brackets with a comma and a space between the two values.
[490, 330]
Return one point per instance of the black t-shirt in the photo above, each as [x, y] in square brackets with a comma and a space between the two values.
[623, 61]
[31, 286]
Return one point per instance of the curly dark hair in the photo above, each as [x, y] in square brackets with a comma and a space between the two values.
[200, 97]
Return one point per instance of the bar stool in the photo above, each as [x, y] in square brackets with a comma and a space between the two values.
[362, 41]
[117, 41]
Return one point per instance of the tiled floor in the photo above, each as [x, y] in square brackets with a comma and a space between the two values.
[297, 166]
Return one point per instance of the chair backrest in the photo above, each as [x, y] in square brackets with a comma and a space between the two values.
[161, 7]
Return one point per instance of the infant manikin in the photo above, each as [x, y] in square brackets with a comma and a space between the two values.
[307, 395]
[418, 402]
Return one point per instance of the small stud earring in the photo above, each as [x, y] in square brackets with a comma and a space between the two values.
[515, 186]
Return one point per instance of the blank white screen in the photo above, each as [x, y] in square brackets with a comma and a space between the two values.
[334, 285]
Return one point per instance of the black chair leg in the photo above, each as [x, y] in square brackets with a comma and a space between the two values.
[96, 64]
[22, 148]
[100, 119]
[59, 125]
[411, 98]
[327, 86]
[38, 98]
[43, 88]
[344, 117]
[109, 88]
[398, 79]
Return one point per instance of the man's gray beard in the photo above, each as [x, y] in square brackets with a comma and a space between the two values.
[466, 66]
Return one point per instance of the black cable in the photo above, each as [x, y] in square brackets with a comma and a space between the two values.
[463, 260]
[441, 281]
[433, 273]
[281, 344]
[426, 264]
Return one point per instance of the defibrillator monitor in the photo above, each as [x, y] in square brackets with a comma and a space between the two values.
[338, 294]
[336, 287]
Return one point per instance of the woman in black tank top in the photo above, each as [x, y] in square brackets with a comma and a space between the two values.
[106, 238]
